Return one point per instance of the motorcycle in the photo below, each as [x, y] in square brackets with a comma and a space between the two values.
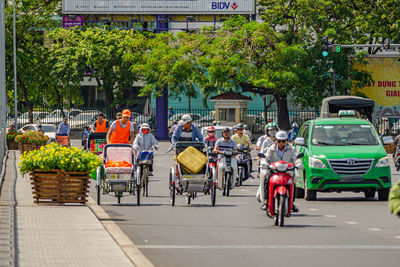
[243, 164]
[212, 164]
[228, 171]
[281, 189]
[396, 157]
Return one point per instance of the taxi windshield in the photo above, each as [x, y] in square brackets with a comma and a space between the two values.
[344, 135]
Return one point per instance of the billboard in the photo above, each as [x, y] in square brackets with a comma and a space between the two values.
[385, 87]
[168, 7]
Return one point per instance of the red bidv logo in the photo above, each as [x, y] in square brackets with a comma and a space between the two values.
[234, 5]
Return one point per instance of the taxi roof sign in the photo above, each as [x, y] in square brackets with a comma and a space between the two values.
[347, 113]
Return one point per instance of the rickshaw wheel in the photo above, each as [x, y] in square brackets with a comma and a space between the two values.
[138, 196]
[98, 194]
[171, 189]
[119, 199]
[188, 198]
[213, 194]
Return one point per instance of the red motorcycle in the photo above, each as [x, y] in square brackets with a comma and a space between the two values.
[281, 190]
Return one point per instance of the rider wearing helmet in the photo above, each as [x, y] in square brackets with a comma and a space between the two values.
[145, 140]
[225, 142]
[242, 139]
[271, 129]
[293, 132]
[280, 151]
[246, 131]
[210, 138]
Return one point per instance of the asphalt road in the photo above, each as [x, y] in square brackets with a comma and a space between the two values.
[336, 230]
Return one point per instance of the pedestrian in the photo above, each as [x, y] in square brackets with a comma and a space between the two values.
[121, 131]
[11, 129]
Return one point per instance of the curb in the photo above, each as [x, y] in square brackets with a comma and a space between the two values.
[127, 246]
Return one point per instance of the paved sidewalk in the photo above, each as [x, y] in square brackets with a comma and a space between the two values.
[69, 235]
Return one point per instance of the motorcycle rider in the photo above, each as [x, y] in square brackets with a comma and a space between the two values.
[293, 132]
[246, 131]
[225, 142]
[242, 139]
[210, 138]
[270, 131]
[145, 140]
[280, 151]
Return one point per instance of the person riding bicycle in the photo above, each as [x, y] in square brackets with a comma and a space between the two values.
[225, 142]
[121, 131]
[280, 151]
[242, 139]
[186, 131]
[100, 125]
[145, 140]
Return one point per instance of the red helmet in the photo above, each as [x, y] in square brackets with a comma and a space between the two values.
[211, 129]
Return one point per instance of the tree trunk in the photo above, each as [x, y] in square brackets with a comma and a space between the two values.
[26, 100]
[283, 112]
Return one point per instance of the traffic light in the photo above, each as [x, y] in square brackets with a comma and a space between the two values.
[325, 46]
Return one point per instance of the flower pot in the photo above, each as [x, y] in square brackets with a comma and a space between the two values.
[59, 186]
[46, 186]
[75, 187]
[11, 145]
[26, 147]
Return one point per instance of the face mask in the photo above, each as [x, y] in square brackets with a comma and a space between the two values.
[145, 131]
[211, 134]
[272, 133]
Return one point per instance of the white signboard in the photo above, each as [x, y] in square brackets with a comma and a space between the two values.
[168, 7]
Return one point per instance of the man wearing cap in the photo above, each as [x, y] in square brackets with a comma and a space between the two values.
[225, 142]
[186, 131]
[100, 125]
[280, 151]
[11, 129]
[121, 131]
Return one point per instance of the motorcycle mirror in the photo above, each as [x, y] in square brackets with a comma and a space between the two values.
[299, 156]
[261, 155]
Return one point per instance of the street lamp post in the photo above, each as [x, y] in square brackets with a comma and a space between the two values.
[15, 69]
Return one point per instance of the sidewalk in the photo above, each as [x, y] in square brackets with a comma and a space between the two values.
[69, 235]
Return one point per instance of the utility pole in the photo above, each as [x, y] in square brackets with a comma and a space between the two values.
[3, 109]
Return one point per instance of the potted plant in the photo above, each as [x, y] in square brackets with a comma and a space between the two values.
[59, 174]
[31, 140]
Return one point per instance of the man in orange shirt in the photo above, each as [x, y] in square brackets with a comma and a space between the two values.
[100, 125]
[121, 131]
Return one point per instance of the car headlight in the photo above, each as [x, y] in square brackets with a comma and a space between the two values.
[316, 163]
[383, 162]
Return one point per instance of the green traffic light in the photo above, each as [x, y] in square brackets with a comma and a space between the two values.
[325, 53]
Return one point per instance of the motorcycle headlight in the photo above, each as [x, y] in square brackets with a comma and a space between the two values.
[316, 163]
[383, 162]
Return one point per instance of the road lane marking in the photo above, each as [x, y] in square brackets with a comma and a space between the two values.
[320, 247]
[330, 216]
[375, 229]
[351, 222]
[313, 209]
[397, 236]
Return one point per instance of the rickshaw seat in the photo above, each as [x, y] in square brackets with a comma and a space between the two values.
[118, 170]
[121, 153]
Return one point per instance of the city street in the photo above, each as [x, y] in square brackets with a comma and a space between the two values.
[336, 230]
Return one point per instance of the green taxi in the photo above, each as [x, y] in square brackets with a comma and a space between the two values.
[342, 154]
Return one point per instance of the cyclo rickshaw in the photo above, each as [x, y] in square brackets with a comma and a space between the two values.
[183, 181]
[96, 142]
[118, 179]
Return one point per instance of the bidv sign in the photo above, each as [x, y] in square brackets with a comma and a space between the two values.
[224, 5]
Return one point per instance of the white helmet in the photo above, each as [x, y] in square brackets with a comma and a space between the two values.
[185, 119]
[145, 126]
[281, 135]
[294, 125]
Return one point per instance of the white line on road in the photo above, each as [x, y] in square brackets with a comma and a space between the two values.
[375, 229]
[351, 222]
[321, 247]
[313, 209]
[397, 236]
[330, 216]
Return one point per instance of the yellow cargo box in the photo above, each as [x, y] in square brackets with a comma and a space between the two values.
[192, 160]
